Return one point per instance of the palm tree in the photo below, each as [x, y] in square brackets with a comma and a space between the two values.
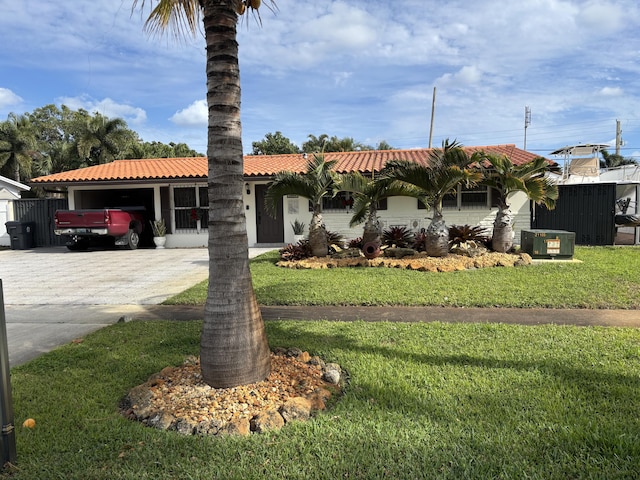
[103, 139]
[500, 174]
[233, 346]
[368, 193]
[17, 144]
[315, 184]
[448, 167]
[610, 160]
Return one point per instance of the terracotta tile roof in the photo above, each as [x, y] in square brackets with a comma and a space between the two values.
[262, 166]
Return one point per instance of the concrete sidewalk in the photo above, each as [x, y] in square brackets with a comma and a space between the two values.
[36, 329]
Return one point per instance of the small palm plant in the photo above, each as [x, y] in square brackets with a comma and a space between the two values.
[505, 178]
[368, 193]
[448, 167]
[314, 184]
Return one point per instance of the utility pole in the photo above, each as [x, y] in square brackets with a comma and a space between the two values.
[618, 137]
[527, 122]
[433, 113]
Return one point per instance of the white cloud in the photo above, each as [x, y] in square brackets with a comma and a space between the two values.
[467, 75]
[611, 91]
[8, 98]
[106, 107]
[195, 115]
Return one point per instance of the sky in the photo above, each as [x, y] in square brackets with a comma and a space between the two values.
[365, 69]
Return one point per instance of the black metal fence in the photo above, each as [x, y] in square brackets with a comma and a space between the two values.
[586, 209]
[40, 211]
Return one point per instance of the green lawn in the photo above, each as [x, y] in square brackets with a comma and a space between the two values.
[608, 277]
[429, 400]
[423, 401]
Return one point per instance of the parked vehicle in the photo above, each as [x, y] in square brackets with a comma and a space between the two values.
[123, 226]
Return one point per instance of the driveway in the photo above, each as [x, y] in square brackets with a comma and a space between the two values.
[53, 295]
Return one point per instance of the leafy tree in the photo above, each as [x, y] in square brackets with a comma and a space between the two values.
[233, 345]
[448, 167]
[140, 149]
[324, 143]
[505, 178]
[315, 184]
[102, 140]
[610, 160]
[384, 145]
[368, 193]
[274, 144]
[17, 147]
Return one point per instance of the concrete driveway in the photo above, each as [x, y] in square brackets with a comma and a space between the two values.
[53, 295]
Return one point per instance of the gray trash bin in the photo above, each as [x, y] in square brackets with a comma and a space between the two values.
[21, 235]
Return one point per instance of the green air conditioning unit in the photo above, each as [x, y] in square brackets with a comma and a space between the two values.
[548, 243]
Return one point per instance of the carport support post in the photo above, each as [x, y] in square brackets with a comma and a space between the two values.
[8, 437]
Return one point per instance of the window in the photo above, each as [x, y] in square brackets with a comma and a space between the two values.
[476, 197]
[467, 198]
[191, 205]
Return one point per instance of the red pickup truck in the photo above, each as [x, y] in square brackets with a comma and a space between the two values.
[124, 225]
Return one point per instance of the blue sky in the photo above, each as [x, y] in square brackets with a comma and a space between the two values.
[359, 68]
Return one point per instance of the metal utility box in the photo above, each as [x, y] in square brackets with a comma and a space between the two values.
[21, 235]
[548, 243]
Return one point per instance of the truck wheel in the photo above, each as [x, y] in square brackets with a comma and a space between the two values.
[133, 239]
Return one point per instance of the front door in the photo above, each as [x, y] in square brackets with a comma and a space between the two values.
[269, 229]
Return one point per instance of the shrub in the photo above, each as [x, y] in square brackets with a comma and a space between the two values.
[399, 237]
[334, 238]
[293, 252]
[459, 234]
[355, 243]
[420, 241]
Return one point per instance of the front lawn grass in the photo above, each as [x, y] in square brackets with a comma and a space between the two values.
[608, 277]
[430, 400]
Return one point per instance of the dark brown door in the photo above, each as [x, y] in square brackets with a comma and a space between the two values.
[270, 230]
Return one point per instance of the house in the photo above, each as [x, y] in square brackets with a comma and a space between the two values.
[9, 191]
[176, 189]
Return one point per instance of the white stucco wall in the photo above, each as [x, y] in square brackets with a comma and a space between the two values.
[403, 211]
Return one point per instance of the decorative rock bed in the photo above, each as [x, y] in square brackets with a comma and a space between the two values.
[178, 399]
[415, 261]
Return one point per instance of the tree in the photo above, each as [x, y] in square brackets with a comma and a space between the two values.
[324, 143]
[17, 145]
[611, 160]
[384, 145]
[102, 140]
[233, 345]
[274, 144]
[500, 174]
[448, 167]
[368, 193]
[315, 184]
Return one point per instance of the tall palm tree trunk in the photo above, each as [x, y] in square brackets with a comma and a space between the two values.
[502, 238]
[233, 345]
